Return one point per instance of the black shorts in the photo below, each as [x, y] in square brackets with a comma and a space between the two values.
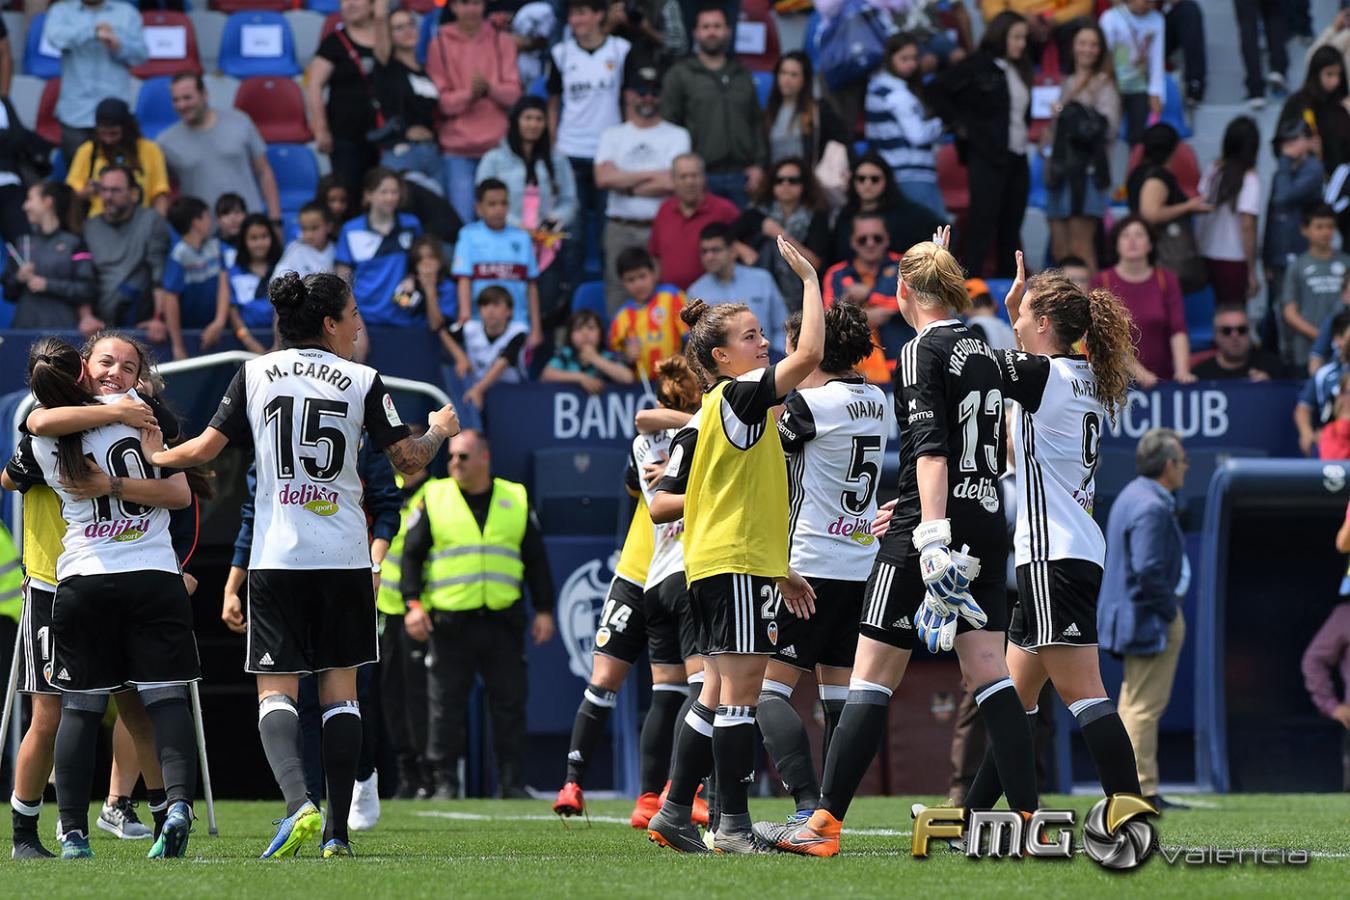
[1056, 604]
[622, 632]
[671, 635]
[830, 636]
[35, 640]
[302, 621]
[736, 613]
[895, 593]
[110, 631]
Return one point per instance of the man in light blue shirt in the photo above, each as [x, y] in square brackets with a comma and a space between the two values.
[99, 42]
[726, 281]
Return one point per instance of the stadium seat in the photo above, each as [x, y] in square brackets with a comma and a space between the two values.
[40, 58]
[1036, 192]
[330, 24]
[577, 490]
[47, 127]
[756, 19]
[1183, 165]
[953, 180]
[14, 27]
[539, 87]
[306, 25]
[171, 43]
[591, 295]
[860, 149]
[154, 108]
[210, 27]
[325, 6]
[297, 174]
[234, 6]
[1174, 110]
[811, 40]
[422, 7]
[220, 89]
[258, 43]
[277, 107]
[425, 31]
[1200, 318]
[25, 92]
[763, 84]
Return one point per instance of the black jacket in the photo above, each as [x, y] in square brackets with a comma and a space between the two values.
[972, 98]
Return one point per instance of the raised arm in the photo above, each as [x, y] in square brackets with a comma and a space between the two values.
[1013, 301]
[811, 342]
[194, 452]
[63, 420]
[412, 454]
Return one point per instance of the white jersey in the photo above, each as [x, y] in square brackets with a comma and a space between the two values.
[483, 351]
[834, 437]
[303, 410]
[668, 547]
[590, 82]
[107, 536]
[1059, 434]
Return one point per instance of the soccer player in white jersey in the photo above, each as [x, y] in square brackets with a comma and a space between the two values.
[833, 430]
[120, 614]
[311, 605]
[1063, 403]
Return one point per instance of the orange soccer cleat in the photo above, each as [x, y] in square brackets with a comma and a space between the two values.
[818, 836]
[700, 806]
[644, 809]
[570, 801]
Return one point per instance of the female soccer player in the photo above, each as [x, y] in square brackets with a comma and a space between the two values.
[949, 394]
[120, 614]
[727, 479]
[660, 620]
[311, 602]
[833, 429]
[1064, 400]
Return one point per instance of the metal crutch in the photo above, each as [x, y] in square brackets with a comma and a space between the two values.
[196, 698]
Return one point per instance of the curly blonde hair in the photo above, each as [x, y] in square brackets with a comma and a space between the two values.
[935, 277]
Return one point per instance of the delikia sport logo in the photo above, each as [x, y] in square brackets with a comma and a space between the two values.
[308, 497]
[121, 530]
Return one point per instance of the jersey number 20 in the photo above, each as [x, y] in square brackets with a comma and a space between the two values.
[313, 432]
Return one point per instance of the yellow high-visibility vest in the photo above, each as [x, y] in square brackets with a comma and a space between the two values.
[11, 577]
[390, 599]
[469, 568]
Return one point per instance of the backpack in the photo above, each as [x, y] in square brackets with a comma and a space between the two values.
[853, 44]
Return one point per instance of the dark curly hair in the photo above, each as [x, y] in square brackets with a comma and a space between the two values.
[848, 337]
[303, 303]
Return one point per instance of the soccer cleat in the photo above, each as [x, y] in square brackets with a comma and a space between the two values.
[74, 845]
[700, 807]
[336, 847]
[365, 811]
[740, 842]
[120, 819]
[173, 837]
[646, 807]
[818, 836]
[665, 829]
[293, 831]
[570, 800]
[29, 848]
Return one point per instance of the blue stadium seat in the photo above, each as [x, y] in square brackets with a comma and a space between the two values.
[1200, 318]
[1174, 110]
[35, 62]
[860, 148]
[539, 87]
[264, 55]
[763, 84]
[1036, 195]
[591, 295]
[154, 107]
[577, 490]
[297, 174]
[811, 40]
[323, 6]
[998, 289]
[430, 22]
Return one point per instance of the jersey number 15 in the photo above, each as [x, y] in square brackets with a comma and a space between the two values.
[280, 411]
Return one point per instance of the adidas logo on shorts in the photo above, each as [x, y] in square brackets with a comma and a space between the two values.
[1072, 630]
[790, 651]
[266, 660]
[904, 624]
[63, 675]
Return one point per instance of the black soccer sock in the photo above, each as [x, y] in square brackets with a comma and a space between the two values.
[157, 800]
[1010, 740]
[24, 815]
[733, 746]
[832, 700]
[587, 727]
[985, 787]
[341, 755]
[1109, 744]
[175, 740]
[695, 684]
[789, 748]
[855, 743]
[279, 727]
[76, 743]
[693, 754]
[657, 741]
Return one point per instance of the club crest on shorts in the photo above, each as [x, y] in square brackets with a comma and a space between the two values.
[773, 633]
[601, 637]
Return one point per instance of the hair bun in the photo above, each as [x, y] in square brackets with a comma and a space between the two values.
[692, 311]
[287, 291]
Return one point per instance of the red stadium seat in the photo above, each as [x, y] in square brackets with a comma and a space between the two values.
[952, 180]
[755, 14]
[48, 128]
[1183, 165]
[232, 6]
[277, 107]
[330, 24]
[172, 42]
[422, 7]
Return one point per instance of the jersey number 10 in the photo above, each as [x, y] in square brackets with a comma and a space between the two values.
[122, 455]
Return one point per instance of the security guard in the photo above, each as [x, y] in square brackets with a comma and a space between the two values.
[481, 545]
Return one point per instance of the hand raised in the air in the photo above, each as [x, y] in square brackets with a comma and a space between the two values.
[1013, 300]
[943, 237]
[805, 271]
[446, 419]
[798, 595]
[135, 413]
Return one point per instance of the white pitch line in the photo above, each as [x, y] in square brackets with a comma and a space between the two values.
[615, 820]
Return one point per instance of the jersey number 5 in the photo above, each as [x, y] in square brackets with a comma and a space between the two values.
[313, 432]
[864, 470]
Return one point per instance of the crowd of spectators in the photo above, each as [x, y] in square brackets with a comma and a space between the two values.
[480, 178]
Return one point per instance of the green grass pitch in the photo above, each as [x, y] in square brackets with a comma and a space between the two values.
[519, 849]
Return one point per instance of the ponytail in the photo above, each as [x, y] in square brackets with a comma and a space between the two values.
[679, 387]
[935, 276]
[708, 327]
[55, 376]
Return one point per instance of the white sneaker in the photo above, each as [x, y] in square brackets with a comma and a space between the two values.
[365, 811]
[121, 820]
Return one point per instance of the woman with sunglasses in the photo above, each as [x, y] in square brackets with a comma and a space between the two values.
[872, 189]
[789, 202]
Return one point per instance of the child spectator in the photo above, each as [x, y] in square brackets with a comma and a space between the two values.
[648, 327]
[332, 193]
[1076, 269]
[428, 283]
[983, 318]
[54, 283]
[1334, 441]
[192, 295]
[490, 348]
[1297, 184]
[1312, 284]
[230, 213]
[1317, 402]
[314, 250]
[491, 252]
[1135, 35]
[1324, 348]
[582, 362]
[245, 284]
